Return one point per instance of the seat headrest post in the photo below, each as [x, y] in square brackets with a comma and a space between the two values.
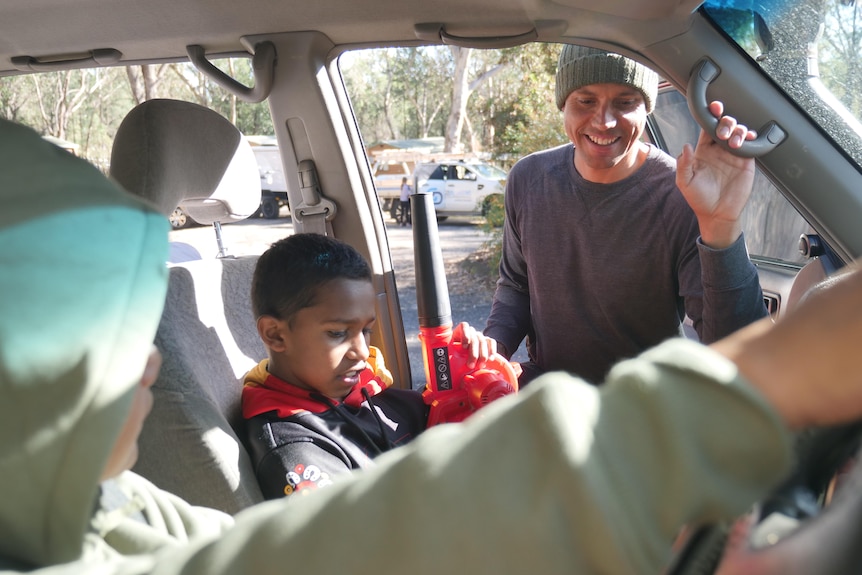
[222, 251]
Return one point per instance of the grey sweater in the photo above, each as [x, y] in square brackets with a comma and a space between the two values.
[594, 273]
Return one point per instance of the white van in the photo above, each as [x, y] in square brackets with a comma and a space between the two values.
[459, 188]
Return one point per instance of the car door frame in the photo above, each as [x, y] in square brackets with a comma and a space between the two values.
[313, 120]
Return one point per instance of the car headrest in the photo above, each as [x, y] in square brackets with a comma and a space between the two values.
[172, 152]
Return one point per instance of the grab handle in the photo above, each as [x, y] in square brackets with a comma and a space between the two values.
[705, 71]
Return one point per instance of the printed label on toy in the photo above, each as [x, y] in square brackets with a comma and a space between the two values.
[442, 373]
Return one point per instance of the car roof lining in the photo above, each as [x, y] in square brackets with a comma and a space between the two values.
[160, 30]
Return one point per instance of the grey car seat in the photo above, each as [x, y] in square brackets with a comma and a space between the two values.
[173, 152]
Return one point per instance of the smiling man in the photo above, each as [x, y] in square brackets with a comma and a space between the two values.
[603, 254]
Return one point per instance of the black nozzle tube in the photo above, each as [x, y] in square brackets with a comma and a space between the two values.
[432, 292]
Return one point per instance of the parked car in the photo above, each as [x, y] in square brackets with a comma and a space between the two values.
[459, 188]
[773, 64]
[180, 219]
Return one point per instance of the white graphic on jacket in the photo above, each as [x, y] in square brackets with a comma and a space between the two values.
[305, 478]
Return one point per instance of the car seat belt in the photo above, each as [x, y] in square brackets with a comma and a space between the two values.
[314, 213]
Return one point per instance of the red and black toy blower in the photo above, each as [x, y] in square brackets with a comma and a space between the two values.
[453, 391]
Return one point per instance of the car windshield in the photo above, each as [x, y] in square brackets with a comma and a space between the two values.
[811, 49]
[490, 172]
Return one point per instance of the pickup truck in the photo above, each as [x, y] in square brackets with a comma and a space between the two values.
[273, 188]
[459, 188]
[387, 182]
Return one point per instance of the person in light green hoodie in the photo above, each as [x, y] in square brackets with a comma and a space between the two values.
[564, 478]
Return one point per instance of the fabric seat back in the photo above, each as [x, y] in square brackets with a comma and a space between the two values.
[173, 153]
[191, 443]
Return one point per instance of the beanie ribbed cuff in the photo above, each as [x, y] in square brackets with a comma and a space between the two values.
[581, 66]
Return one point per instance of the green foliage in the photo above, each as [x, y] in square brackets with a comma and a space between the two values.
[398, 93]
[406, 93]
[81, 106]
[492, 226]
[87, 106]
[494, 211]
[839, 53]
[523, 113]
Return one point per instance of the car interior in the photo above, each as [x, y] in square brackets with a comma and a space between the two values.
[809, 155]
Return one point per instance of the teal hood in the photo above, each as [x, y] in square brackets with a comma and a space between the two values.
[82, 285]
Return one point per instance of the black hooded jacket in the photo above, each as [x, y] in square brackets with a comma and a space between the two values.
[300, 439]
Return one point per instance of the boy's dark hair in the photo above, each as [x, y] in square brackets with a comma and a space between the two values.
[289, 274]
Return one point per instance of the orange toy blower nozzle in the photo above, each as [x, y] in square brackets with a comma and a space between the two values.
[452, 390]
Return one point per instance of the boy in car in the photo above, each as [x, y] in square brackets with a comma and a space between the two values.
[321, 404]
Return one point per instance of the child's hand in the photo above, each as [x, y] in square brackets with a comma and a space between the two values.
[479, 348]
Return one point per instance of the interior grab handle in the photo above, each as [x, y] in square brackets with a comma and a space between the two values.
[490, 41]
[436, 32]
[97, 57]
[704, 72]
[262, 64]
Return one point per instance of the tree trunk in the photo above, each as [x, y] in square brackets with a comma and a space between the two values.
[144, 81]
[460, 95]
[136, 84]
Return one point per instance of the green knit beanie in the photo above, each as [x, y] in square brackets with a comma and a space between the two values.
[581, 66]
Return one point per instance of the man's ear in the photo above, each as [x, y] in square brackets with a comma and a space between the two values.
[271, 331]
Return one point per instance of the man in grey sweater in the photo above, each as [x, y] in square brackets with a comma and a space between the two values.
[606, 248]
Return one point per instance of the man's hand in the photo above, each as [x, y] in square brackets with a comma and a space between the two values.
[715, 183]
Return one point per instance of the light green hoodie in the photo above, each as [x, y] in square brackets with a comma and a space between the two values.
[82, 285]
[563, 478]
